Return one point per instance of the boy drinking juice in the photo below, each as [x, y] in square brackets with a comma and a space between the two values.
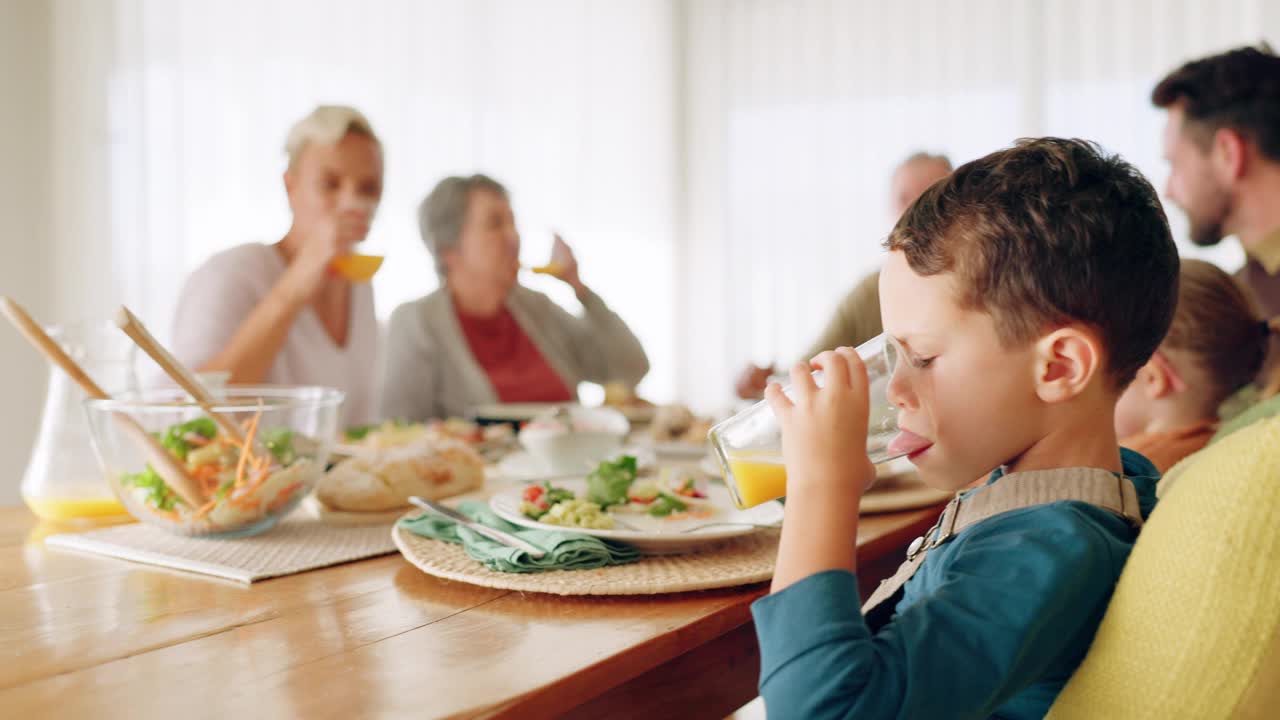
[1024, 292]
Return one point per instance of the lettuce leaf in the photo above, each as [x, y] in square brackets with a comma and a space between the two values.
[279, 441]
[609, 482]
[174, 438]
[665, 505]
[159, 495]
[556, 494]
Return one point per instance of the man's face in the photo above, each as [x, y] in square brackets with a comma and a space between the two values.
[1193, 184]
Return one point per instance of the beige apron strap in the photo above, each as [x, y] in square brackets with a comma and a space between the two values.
[1040, 487]
[916, 552]
[1013, 492]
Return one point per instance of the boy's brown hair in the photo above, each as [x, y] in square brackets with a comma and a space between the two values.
[1049, 232]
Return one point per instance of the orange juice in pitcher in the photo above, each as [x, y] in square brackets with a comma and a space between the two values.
[63, 480]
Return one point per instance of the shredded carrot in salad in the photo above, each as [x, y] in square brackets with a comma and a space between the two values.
[246, 450]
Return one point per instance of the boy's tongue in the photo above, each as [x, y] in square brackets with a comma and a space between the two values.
[907, 443]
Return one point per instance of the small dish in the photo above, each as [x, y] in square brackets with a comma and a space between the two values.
[568, 439]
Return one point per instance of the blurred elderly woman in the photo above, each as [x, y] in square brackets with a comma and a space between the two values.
[278, 313]
[482, 337]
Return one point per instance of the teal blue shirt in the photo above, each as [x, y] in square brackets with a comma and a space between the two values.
[992, 624]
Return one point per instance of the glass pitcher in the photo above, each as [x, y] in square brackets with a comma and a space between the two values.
[63, 481]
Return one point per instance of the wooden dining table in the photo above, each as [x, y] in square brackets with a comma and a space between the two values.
[83, 636]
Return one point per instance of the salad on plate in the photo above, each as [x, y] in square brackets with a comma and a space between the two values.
[612, 491]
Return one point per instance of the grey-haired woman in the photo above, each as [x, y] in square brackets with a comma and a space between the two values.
[482, 337]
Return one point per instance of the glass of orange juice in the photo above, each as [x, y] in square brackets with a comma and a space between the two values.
[748, 446]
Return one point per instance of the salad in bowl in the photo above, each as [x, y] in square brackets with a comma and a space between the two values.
[246, 480]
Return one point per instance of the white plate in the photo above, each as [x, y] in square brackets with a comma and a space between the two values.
[520, 466]
[654, 536]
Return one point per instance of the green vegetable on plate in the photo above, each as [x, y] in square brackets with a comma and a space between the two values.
[608, 483]
[665, 505]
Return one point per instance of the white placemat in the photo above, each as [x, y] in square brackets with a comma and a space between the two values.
[299, 543]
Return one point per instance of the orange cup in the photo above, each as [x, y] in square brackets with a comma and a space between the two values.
[357, 268]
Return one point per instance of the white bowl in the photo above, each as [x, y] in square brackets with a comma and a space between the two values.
[593, 435]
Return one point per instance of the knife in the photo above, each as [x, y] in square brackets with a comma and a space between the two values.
[494, 534]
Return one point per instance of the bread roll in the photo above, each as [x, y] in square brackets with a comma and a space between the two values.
[383, 479]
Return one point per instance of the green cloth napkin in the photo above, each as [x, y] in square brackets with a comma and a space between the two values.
[565, 550]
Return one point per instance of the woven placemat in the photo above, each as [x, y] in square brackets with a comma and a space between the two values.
[741, 561]
[300, 542]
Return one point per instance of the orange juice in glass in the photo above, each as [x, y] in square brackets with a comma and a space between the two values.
[748, 446]
[757, 477]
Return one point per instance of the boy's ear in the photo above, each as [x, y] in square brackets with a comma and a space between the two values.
[1067, 360]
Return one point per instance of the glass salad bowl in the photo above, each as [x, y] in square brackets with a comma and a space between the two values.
[288, 432]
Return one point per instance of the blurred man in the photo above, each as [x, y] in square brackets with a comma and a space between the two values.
[1222, 142]
[857, 317]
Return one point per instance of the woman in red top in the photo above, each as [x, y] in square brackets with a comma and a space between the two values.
[482, 337]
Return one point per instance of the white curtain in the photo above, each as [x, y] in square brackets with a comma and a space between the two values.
[796, 112]
[568, 102]
[720, 166]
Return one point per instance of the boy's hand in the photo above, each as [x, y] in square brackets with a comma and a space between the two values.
[824, 430]
[824, 443]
